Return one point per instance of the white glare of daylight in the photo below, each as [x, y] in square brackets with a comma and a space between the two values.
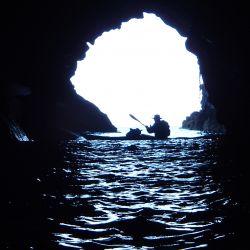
[143, 69]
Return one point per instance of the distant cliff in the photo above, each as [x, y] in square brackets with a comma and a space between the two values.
[205, 119]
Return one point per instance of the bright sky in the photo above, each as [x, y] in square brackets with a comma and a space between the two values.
[143, 69]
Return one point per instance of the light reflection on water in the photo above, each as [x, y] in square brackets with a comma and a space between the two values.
[142, 195]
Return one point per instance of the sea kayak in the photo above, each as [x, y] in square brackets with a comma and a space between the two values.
[106, 137]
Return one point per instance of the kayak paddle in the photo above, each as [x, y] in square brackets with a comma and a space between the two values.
[137, 120]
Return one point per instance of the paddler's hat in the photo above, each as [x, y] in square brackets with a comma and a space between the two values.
[157, 117]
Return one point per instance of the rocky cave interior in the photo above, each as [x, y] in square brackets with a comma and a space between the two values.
[42, 42]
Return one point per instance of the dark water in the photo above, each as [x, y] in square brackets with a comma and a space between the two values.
[124, 195]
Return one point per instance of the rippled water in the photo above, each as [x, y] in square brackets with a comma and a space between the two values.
[143, 195]
[128, 195]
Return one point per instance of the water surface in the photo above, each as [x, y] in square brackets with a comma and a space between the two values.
[143, 195]
[122, 195]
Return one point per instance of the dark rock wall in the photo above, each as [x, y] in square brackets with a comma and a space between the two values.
[220, 39]
[41, 42]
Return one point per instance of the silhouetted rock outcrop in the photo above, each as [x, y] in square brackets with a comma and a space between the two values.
[205, 119]
[64, 118]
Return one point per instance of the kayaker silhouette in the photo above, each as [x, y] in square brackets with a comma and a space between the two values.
[160, 128]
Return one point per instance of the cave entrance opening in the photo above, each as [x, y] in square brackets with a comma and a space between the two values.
[143, 69]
